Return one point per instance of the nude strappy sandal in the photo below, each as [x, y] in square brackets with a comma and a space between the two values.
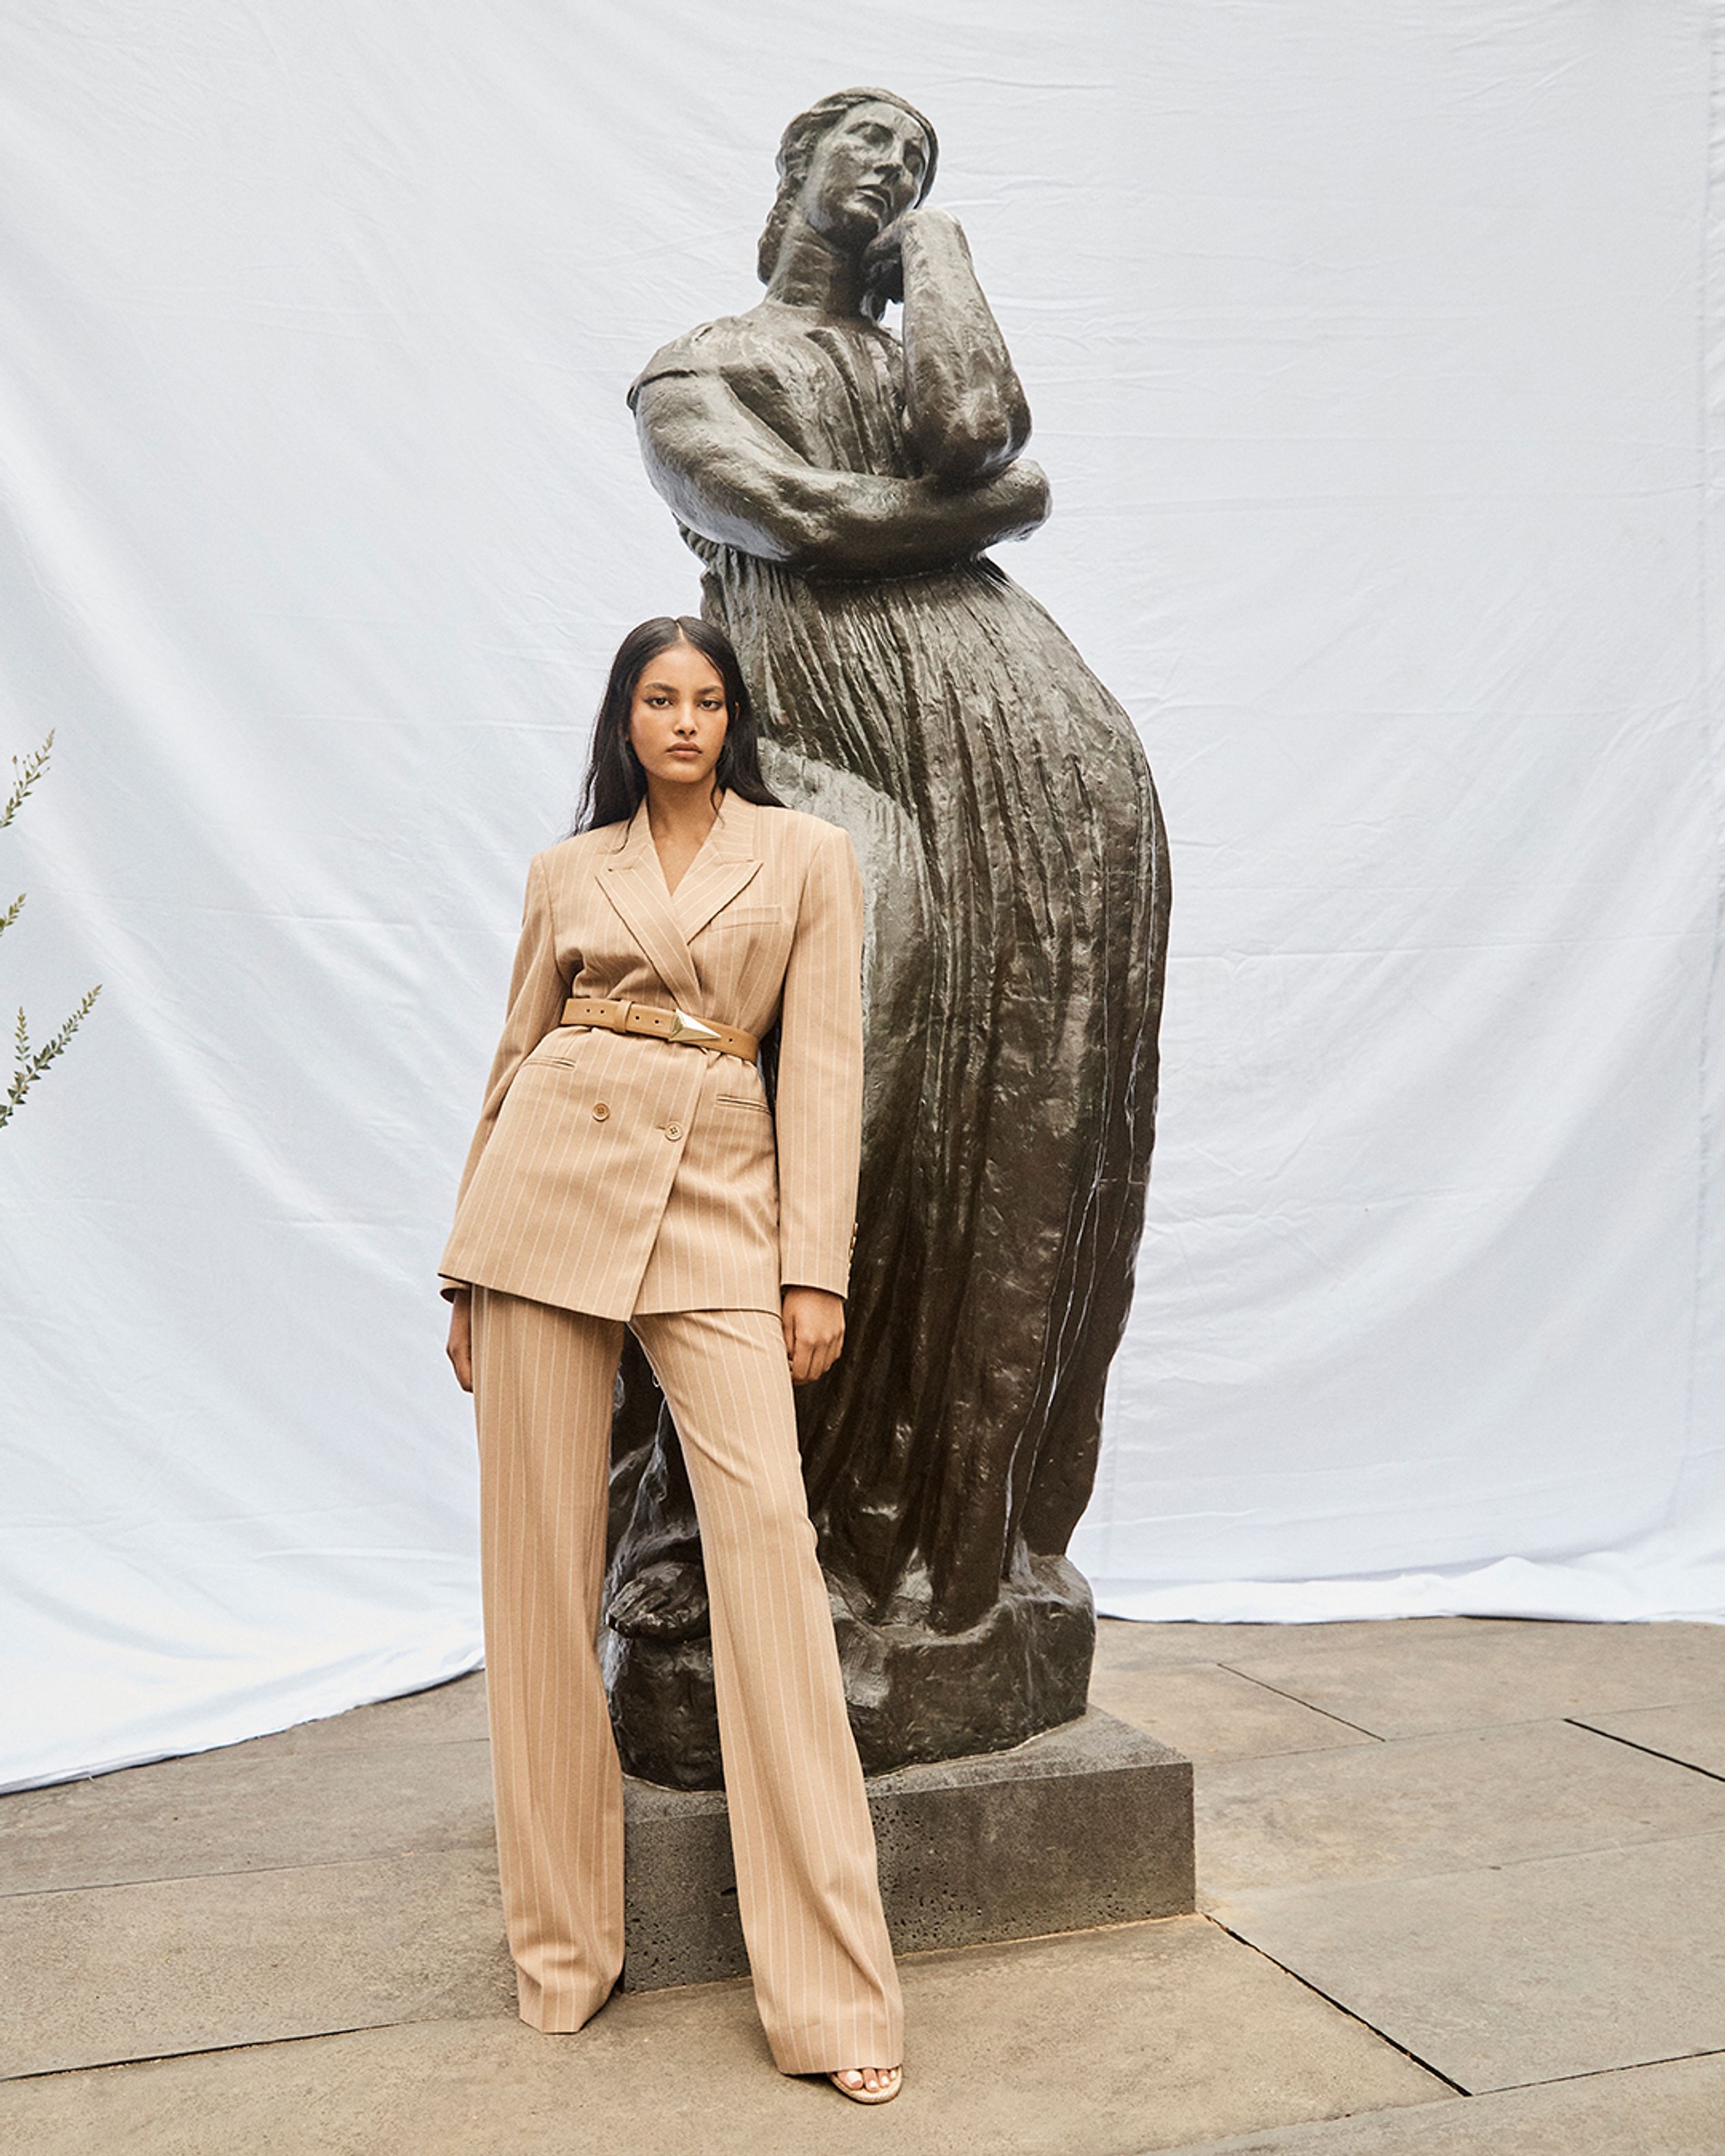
[895, 2082]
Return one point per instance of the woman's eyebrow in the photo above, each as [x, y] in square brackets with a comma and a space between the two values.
[670, 689]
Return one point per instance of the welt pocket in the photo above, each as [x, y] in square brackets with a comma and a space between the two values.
[747, 917]
[739, 1101]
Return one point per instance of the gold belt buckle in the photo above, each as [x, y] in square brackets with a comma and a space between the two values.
[685, 1028]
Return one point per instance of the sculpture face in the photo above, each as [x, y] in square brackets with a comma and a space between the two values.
[866, 170]
[677, 717]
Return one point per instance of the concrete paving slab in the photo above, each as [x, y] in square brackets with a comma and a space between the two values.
[1210, 1713]
[1539, 1971]
[1134, 2039]
[1673, 2110]
[1124, 1643]
[1418, 1677]
[239, 1811]
[447, 1713]
[1694, 1733]
[183, 1965]
[1439, 1804]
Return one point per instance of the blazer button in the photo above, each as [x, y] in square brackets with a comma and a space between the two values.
[674, 1130]
[600, 1111]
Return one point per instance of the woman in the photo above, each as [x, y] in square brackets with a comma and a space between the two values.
[628, 1170]
[841, 484]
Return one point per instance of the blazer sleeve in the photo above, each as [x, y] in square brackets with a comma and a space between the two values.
[818, 1110]
[536, 995]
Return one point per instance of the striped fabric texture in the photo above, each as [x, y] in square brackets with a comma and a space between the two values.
[615, 1172]
[617, 1177]
[807, 1888]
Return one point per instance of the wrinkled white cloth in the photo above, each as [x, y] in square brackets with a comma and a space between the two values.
[1374, 350]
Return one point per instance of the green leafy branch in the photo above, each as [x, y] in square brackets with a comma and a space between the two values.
[30, 1064]
[24, 775]
[30, 1067]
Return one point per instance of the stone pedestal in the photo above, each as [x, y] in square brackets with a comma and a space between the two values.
[914, 1694]
[1090, 1824]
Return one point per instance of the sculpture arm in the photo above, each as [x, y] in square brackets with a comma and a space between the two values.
[965, 411]
[728, 476]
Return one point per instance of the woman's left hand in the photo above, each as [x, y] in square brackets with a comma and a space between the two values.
[813, 1331]
[459, 1346]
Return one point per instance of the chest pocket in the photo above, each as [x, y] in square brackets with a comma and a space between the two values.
[756, 917]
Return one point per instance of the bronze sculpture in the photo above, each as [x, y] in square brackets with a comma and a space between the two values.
[841, 486]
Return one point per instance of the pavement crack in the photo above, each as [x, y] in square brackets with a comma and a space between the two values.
[1651, 1750]
[1328, 1714]
[1341, 2006]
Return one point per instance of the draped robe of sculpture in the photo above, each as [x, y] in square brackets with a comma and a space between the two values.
[1012, 849]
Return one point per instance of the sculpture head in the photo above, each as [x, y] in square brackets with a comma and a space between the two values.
[616, 783]
[849, 165]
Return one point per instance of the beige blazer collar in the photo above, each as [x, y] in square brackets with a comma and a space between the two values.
[663, 921]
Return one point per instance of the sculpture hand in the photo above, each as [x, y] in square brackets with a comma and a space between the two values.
[883, 265]
[883, 258]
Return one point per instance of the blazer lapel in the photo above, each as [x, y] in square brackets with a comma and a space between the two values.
[724, 866]
[635, 883]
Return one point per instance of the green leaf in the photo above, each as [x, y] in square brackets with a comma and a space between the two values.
[30, 1067]
[24, 775]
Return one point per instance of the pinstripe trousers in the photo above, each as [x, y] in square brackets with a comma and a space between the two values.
[807, 1886]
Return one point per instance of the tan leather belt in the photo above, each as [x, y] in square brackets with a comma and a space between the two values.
[665, 1024]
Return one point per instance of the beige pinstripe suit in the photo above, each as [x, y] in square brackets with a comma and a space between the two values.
[665, 1200]
[618, 1178]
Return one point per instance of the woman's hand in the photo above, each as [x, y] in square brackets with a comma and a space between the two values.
[813, 1331]
[459, 1347]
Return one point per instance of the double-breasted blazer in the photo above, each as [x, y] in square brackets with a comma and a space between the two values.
[616, 1173]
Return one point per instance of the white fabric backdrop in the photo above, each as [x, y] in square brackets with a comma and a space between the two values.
[1366, 341]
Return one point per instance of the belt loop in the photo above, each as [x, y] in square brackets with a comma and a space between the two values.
[626, 1005]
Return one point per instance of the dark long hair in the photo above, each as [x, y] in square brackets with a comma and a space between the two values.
[615, 785]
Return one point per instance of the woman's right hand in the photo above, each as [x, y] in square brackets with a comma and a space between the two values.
[459, 1346]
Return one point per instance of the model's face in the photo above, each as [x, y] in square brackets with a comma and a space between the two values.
[677, 718]
[866, 170]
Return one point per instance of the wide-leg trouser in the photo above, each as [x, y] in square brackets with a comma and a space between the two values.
[807, 1886]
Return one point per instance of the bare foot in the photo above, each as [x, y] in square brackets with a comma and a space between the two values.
[868, 2084]
[663, 1601]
